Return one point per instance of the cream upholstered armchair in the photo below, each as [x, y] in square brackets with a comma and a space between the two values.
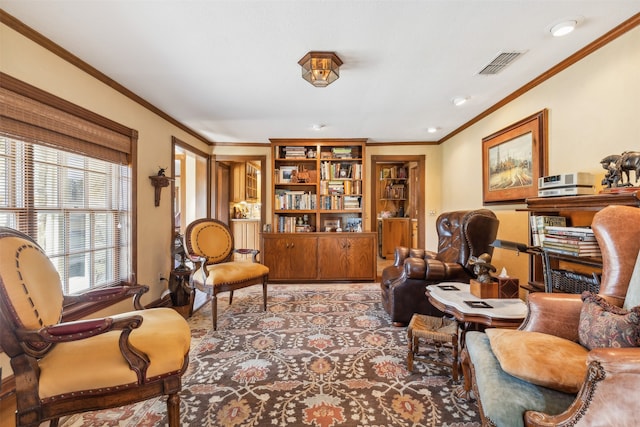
[575, 360]
[65, 368]
[210, 245]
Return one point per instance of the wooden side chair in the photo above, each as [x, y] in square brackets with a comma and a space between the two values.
[66, 368]
[210, 246]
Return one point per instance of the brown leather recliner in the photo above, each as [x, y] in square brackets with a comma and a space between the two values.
[461, 234]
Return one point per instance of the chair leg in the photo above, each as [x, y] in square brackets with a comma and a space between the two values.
[454, 364]
[230, 297]
[173, 410]
[264, 295]
[214, 311]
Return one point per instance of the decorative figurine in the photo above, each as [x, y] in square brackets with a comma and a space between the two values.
[482, 267]
[619, 166]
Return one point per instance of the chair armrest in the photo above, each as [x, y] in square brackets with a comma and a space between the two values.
[108, 294]
[253, 252]
[75, 331]
[607, 397]
[432, 270]
[430, 254]
[553, 313]
[401, 253]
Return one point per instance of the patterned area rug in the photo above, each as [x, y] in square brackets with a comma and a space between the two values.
[321, 356]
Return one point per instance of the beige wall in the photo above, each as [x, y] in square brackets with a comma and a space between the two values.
[593, 112]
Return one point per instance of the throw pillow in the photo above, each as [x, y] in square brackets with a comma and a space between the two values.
[541, 359]
[633, 292]
[606, 325]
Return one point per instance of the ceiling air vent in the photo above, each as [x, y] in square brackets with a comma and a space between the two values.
[500, 62]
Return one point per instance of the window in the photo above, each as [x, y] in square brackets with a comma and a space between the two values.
[63, 183]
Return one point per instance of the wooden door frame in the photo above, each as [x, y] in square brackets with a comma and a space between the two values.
[263, 182]
[421, 161]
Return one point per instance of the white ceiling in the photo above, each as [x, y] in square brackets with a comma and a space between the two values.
[229, 69]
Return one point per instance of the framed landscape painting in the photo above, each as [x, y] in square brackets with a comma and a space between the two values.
[513, 159]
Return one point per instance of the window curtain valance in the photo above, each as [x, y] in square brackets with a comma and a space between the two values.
[32, 114]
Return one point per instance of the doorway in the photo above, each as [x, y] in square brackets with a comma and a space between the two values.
[397, 203]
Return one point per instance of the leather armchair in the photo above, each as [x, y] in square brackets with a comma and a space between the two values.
[609, 393]
[461, 234]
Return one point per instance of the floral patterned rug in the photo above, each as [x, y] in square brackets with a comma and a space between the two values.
[321, 356]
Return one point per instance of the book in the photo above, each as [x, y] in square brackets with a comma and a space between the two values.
[542, 222]
[570, 231]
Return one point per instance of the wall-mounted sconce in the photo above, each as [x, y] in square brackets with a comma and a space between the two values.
[159, 181]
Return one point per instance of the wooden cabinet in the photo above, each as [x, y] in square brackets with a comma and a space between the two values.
[320, 256]
[579, 211]
[394, 232]
[246, 235]
[347, 256]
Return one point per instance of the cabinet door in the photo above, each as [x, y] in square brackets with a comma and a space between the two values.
[395, 232]
[333, 264]
[291, 257]
[362, 258]
[303, 257]
[274, 254]
[347, 257]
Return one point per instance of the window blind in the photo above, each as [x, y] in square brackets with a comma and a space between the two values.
[65, 179]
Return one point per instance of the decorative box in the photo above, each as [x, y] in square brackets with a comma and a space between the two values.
[508, 287]
[484, 290]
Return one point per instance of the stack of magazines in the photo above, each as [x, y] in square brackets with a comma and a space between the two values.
[575, 241]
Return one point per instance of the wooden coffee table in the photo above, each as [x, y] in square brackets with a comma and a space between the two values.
[472, 312]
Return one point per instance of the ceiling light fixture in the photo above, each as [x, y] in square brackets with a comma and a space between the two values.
[318, 126]
[432, 129]
[459, 100]
[563, 28]
[320, 68]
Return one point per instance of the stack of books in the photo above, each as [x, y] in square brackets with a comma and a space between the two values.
[341, 152]
[294, 152]
[574, 241]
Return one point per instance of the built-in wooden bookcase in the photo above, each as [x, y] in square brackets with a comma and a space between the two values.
[318, 204]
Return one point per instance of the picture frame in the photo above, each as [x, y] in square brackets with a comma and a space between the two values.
[285, 172]
[513, 159]
[331, 224]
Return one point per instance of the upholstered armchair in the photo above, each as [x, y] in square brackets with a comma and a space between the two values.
[65, 368]
[461, 234]
[210, 245]
[567, 364]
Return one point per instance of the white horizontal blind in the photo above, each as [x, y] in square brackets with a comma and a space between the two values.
[75, 206]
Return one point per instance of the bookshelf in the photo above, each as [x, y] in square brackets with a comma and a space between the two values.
[318, 204]
[566, 272]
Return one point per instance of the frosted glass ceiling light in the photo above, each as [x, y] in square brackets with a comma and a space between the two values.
[563, 28]
[320, 68]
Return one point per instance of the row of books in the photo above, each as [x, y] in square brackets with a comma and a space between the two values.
[299, 200]
[336, 202]
[332, 170]
[341, 187]
[553, 235]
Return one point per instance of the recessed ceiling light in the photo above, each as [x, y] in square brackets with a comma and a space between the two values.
[318, 126]
[459, 100]
[563, 28]
[432, 129]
